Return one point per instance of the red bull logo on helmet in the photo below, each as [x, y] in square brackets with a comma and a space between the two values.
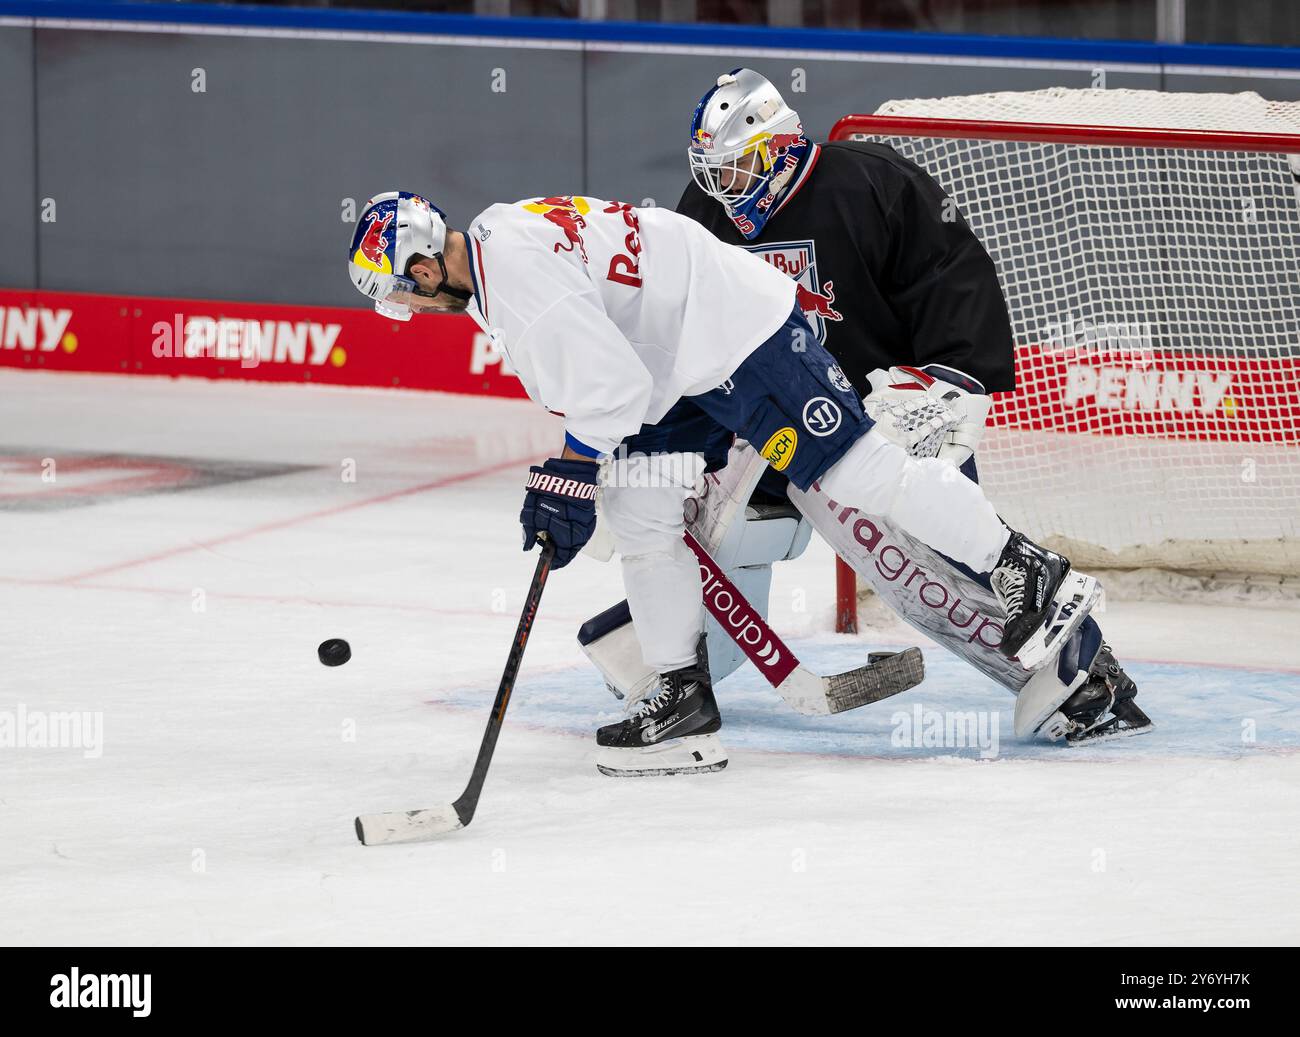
[372, 245]
[779, 143]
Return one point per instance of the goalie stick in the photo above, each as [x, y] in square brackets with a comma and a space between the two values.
[885, 673]
[417, 825]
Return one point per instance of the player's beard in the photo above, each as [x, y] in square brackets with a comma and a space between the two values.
[453, 305]
[445, 303]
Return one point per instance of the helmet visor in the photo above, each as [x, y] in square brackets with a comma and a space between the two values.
[395, 300]
[732, 177]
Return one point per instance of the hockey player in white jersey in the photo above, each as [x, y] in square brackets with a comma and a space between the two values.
[657, 343]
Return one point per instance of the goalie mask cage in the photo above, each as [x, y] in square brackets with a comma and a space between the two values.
[1148, 246]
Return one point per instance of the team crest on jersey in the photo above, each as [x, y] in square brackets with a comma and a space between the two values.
[798, 259]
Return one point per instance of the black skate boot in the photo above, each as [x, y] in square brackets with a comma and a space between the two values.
[674, 731]
[1044, 599]
[1102, 708]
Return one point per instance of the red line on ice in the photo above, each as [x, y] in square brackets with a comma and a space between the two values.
[268, 527]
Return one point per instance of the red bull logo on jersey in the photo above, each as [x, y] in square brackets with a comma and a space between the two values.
[817, 304]
[569, 215]
[373, 247]
[798, 260]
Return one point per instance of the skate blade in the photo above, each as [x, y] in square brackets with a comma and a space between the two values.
[694, 754]
[1110, 736]
[1074, 600]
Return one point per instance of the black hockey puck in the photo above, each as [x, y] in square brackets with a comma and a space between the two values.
[334, 652]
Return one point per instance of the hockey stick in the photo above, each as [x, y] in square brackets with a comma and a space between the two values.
[413, 826]
[885, 674]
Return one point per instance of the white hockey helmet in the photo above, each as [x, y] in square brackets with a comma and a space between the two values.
[741, 115]
[394, 228]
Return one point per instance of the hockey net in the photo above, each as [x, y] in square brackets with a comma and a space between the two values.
[1148, 246]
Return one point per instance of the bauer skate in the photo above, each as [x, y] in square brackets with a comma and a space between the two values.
[1044, 599]
[674, 731]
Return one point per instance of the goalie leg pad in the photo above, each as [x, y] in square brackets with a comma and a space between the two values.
[1044, 692]
[609, 641]
[744, 539]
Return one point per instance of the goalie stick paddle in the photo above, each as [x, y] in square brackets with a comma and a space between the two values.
[884, 675]
[413, 826]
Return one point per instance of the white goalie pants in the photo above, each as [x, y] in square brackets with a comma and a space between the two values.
[928, 498]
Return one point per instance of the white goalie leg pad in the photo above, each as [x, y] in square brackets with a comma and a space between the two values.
[609, 640]
[940, 600]
[725, 655]
[744, 539]
[696, 754]
[1039, 700]
[927, 498]
[916, 582]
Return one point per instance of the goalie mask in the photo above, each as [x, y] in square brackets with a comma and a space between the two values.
[746, 143]
[394, 229]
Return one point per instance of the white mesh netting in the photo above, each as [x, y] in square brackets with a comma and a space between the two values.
[1154, 293]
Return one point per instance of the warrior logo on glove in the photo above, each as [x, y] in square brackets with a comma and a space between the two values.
[561, 501]
[538, 479]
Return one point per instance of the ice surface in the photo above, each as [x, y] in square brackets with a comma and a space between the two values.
[220, 809]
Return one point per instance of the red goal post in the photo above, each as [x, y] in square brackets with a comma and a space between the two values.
[1148, 246]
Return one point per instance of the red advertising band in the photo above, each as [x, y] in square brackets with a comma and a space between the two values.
[264, 342]
[1177, 395]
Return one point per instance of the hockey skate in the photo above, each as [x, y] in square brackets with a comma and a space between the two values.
[1103, 708]
[674, 731]
[1044, 599]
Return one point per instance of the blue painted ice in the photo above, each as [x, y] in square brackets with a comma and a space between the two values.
[1199, 711]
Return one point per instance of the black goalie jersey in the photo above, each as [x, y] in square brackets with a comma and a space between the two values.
[887, 270]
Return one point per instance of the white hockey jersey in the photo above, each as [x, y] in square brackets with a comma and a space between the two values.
[609, 314]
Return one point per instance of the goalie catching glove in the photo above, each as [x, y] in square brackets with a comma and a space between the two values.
[561, 501]
[935, 412]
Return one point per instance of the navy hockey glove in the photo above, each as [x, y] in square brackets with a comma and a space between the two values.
[561, 501]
